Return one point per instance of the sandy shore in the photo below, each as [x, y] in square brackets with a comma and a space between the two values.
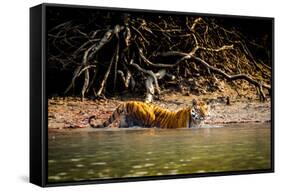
[70, 112]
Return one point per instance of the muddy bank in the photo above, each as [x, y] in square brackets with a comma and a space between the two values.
[70, 112]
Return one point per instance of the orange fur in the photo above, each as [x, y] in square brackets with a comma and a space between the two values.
[151, 115]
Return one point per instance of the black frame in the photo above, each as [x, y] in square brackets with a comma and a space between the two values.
[39, 106]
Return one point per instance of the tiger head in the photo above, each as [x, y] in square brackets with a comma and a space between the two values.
[199, 111]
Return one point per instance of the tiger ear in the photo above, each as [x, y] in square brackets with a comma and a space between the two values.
[194, 102]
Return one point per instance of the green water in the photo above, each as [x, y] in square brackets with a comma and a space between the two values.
[115, 153]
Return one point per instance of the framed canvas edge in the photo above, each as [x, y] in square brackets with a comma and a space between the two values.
[44, 102]
[162, 177]
[154, 11]
[35, 161]
[273, 97]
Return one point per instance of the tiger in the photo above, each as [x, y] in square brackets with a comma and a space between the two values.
[137, 113]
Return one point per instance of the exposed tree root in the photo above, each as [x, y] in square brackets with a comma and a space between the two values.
[138, 51]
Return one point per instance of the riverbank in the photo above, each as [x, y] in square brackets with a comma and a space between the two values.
[70, 112]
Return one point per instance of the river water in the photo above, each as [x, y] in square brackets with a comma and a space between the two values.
[115, 153]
